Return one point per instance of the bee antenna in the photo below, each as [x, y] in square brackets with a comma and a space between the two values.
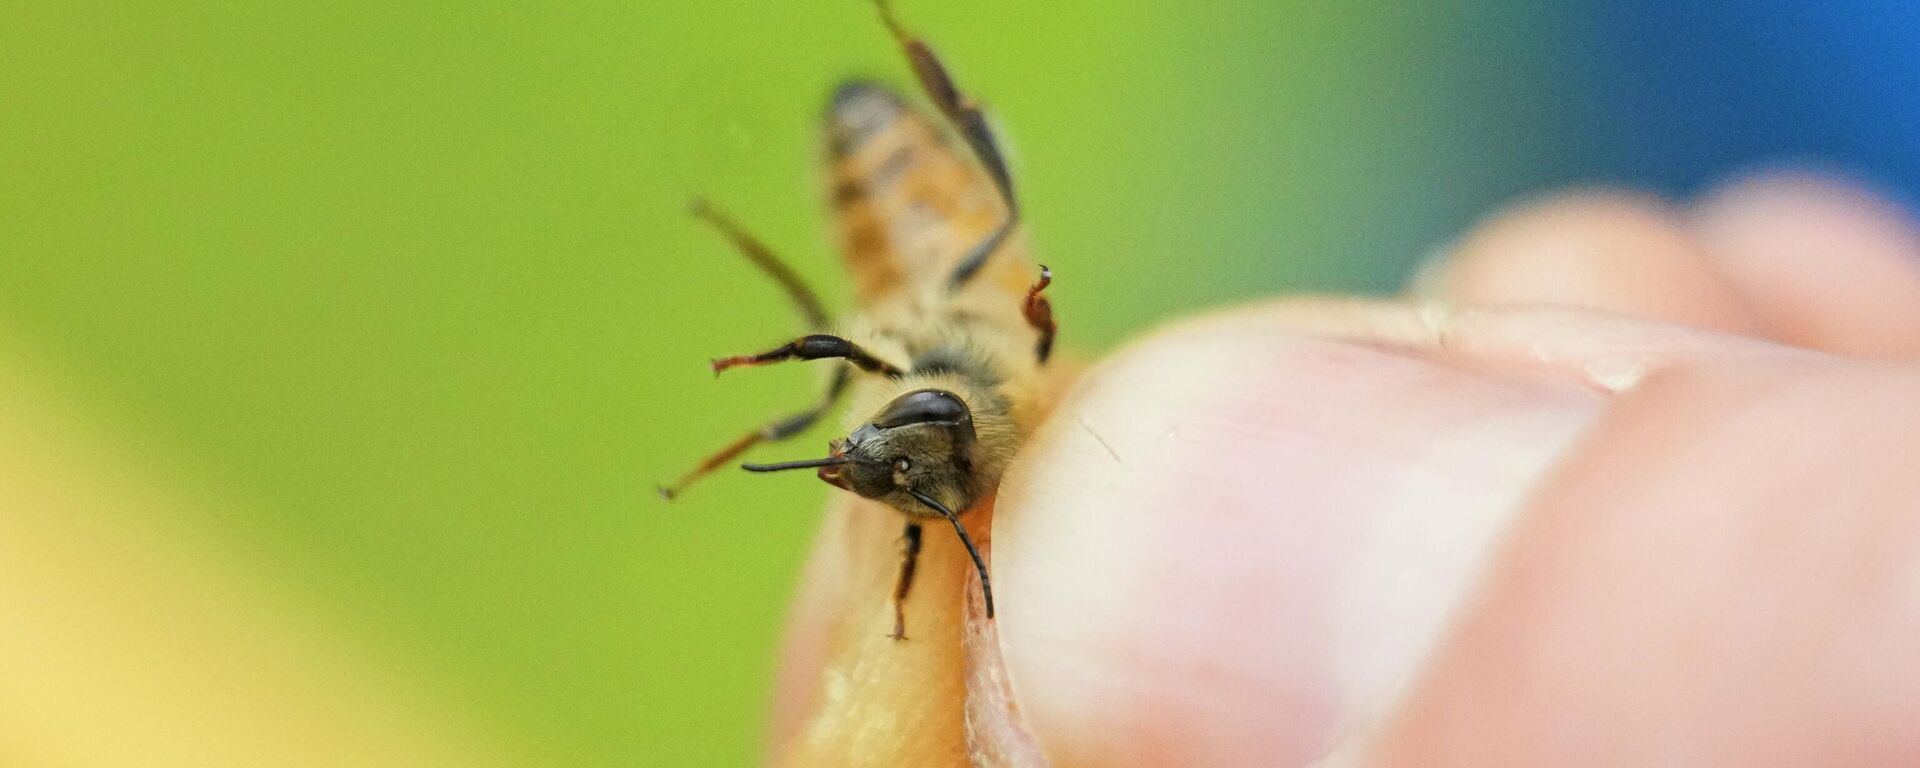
[986, 585]
[803, 464]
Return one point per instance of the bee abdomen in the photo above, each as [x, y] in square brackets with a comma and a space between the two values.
[859, 111]
[909, 203]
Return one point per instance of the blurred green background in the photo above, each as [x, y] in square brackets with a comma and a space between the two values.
[403, 296]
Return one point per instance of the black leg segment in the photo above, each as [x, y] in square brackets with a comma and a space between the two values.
[909, 557]
[965, 116]
[818, 346]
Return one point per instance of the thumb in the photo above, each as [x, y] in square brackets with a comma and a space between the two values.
[1233, 539]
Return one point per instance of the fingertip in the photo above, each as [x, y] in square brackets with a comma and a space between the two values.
[1668, 591]
[1609, 250]
[846, 684]
[1826, 263]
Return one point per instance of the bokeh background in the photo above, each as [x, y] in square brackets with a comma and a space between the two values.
[342, 344]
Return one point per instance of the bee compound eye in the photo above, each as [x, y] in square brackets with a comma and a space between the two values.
[926, 406]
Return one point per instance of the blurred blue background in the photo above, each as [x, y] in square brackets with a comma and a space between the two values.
[388, 318]
[1680, 94]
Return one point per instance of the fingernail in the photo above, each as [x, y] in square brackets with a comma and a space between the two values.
[1228, 546]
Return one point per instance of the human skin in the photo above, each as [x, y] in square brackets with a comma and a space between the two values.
[1618, 482]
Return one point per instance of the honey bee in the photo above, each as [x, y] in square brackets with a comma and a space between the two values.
[947, 352]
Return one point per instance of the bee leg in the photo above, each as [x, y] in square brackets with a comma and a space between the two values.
[804, 299]
[909, 555]
[818, 346]
[1039, 314]
[966, 117]
[779, 429]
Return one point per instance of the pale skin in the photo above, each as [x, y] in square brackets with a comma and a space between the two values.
[1620, 482]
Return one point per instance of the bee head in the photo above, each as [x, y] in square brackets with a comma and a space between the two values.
[919, 444]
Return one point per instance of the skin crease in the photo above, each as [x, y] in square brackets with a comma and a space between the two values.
[1537, 514]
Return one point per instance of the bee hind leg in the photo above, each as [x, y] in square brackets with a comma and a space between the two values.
[966, 117]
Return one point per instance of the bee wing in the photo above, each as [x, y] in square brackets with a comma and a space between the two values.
[910, 201]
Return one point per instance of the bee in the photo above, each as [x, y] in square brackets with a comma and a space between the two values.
[947, 353]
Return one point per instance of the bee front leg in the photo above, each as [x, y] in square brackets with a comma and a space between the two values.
[909, 556]
[778, 429]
